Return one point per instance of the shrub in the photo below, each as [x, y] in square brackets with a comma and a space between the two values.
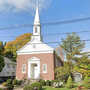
[17, 82]
[69, 82]
[87, 82]
[9, 84]
[4, 84]
[42, 82]
[28, 87]
[48, 83]
[14, 82]
[36, 85]
[9, 81]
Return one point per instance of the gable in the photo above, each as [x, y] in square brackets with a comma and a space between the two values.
[34, 48]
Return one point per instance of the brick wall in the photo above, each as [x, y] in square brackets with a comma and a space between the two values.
[45, 58]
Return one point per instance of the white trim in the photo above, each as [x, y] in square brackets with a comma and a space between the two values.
[34, 52]
[40, 48]
[34, 60]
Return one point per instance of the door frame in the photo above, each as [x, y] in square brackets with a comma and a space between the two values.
[33, 60]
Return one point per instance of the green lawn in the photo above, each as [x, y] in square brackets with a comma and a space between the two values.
[50, 88]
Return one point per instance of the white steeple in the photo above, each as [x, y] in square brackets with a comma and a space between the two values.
[37, 19]
[37, 27]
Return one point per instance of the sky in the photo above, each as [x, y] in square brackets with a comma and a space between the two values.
[22, 12]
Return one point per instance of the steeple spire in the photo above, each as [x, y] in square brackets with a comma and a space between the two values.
[37, 27]
[37, 18]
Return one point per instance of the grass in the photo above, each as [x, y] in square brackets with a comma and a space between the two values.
[50, 88]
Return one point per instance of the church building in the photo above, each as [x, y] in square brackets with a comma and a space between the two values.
[36, 59]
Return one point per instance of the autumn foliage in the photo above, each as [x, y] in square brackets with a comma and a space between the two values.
[12, 46]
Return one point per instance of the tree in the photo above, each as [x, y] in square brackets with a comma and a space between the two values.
[87, 82]
[69, 82]
[1, 48]
[83, 65]
[72, 45]
[12, 46]
[1, 63]
[64, 71]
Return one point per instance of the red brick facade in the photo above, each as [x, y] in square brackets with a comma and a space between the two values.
[45, 58]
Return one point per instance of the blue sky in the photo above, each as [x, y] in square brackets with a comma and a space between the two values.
[58, 10]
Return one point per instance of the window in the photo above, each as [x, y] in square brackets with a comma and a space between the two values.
[24, 68]
[44, 68]
[35, 29]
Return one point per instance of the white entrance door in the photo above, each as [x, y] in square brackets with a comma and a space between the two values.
[36, 72]
[34, 69]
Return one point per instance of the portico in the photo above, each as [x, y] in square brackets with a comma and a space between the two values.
[34, 68]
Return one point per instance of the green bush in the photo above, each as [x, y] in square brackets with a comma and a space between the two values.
[4, 83]
[87, 82]
[9, 81]
[28, 87]
[69, 82]
[17, 82]
[48, 83]
[42, 82]
[14, 82]
[36, 85]
[9, 84]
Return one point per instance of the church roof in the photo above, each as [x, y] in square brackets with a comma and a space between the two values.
[35, 45]
[35, 48]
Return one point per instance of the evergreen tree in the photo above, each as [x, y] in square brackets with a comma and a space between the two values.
[72, 46]
[69, 82]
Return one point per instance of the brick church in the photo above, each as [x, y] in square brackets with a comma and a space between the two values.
[36, 59]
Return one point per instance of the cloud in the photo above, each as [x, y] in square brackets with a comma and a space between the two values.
[22, 5]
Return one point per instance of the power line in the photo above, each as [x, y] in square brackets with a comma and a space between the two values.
[66, 33]
[67, 21]
[46, 24]
[55, 33]
[58, 42]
